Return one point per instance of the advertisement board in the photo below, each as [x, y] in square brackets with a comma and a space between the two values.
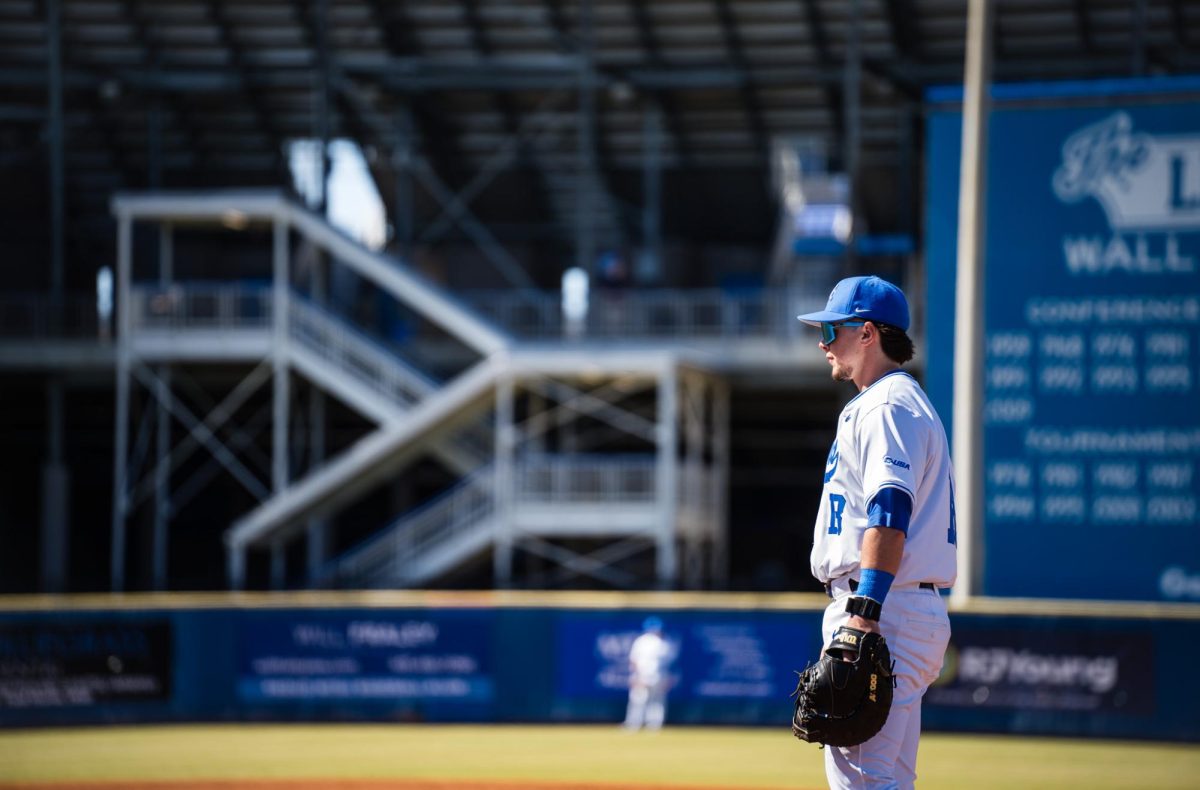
[393, 657]
[1092, 333]
[84, 664]
[1061, 670]
[714, 659]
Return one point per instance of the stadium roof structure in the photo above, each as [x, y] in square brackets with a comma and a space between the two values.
[552, 123]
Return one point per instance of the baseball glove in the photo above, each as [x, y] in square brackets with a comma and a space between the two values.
[844, 698]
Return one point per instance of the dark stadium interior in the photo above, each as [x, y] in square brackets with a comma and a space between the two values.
[674, 108]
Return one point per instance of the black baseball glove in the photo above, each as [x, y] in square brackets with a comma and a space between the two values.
[844, 698]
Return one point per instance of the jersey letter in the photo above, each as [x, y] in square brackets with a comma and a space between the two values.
[837, 503]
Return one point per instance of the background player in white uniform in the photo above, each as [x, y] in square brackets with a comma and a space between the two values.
[649, 657]
[884, 541]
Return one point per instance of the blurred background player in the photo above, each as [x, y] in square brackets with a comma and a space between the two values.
[649, 657]
[885, 529]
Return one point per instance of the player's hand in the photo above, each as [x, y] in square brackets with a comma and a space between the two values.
[863, 624]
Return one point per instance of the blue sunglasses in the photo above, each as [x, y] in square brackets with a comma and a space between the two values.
[829, 330]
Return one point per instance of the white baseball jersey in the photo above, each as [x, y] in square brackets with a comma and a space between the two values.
[888, 436]
[649, 654]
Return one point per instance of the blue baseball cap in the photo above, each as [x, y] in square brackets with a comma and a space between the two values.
[652, 624]
[870, 298]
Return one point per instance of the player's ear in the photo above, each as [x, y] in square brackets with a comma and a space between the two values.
[869, 331]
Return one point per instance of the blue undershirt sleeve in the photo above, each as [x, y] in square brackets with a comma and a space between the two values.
[890, 507]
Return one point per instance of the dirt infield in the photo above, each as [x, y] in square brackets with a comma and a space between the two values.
[355, 784]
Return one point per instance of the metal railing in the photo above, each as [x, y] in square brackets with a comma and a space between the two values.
[353, 352]
[583, 479]
[200, 306]
[651, 313]
[389, 556]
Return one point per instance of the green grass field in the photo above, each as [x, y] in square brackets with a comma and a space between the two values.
[716, 757]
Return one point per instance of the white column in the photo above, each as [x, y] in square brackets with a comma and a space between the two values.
[720, 547]
[666, 561]
[502, 559]
[968, 304]
[235, 559]
[162, 430]
[279, 307]
[123, 365]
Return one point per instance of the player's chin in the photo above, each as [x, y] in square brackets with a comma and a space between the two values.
[840, 373]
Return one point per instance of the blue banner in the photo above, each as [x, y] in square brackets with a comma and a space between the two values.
[735, 658]
[393, 657]
[1092, 367]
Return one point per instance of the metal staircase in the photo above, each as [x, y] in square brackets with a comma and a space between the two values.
[422, 544]
[522, 424]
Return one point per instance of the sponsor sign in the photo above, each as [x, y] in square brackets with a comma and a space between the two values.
[392, 656]
[713, 659]
[84, 664]
[1092, 358]
[1055, 671]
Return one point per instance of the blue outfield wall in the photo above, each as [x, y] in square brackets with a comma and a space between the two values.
[1055, 673]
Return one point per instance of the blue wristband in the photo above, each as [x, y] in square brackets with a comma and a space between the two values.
[874, 584]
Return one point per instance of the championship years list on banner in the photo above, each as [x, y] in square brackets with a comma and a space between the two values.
[1092, 334]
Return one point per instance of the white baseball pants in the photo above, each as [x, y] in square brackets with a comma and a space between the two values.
[917, 630]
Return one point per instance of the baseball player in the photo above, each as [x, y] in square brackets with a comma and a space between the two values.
[649, 657]
[884, 542]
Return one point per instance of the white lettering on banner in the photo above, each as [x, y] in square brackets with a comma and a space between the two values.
[1070, 508]
[1158, 441]
[1009, 344]
[382, 634]
[1007, 377]
[1007, 410]
[1093, 255]
[1063, 346]
[1114, 344]
[993, 665]
[1010, 473]
[1112, 310]
[1177, 583]
[1010, 506]
[1059, 475]
[1117, 508]
[1068, 378]
[1167, 344]
[1143, 182]
[1171, 509]
[1169, 377]
[1170, 475]
[1123, 476]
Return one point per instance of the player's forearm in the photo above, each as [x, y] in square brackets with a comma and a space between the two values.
[882, 549]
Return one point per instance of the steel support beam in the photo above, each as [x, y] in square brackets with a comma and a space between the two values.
[57, 156]
[852, 113]
[505, 455]
[123, 364]
[585, 178]
[666, 561]
[648, 267]
[56, 495]
[162, 433]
